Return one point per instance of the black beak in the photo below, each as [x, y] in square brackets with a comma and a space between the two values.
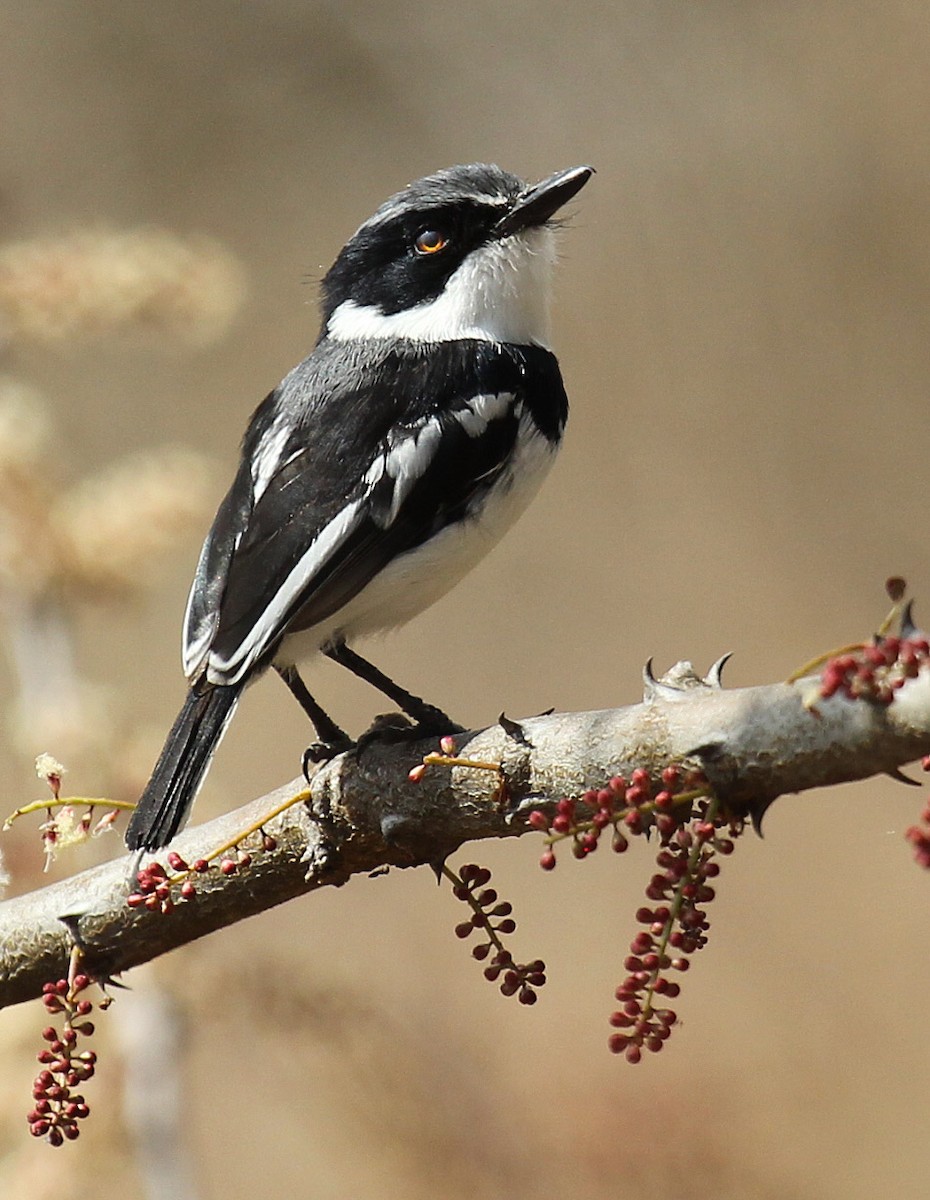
[538, 203]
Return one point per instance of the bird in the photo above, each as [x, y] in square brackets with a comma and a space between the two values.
[383, 467]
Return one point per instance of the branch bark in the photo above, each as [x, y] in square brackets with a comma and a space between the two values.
[754, 744]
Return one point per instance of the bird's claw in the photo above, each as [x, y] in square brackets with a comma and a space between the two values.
[322, 752]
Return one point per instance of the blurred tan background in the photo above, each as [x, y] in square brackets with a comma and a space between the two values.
[742, 321]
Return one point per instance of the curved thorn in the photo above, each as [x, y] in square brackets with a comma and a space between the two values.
[650, 683]
[757, 812]
[899, 777]
[513, 729]
[714, 677]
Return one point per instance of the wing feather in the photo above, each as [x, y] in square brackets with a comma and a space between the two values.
[340, 496]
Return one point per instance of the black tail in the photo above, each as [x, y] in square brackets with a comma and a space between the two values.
[169, 794]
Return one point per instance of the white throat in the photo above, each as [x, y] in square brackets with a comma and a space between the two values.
[500, 293]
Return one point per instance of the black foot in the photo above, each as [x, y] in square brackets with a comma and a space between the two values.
[393, 728]
[320, 752]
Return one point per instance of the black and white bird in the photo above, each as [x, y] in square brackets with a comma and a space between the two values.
[384, 466]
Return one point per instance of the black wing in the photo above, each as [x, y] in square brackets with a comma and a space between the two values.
[335, 484]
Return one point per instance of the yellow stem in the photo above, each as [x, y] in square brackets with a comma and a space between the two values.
[75, 959]
[65, 801]
[444, 760]
[815, 663]
[893, 618]
[301, 796]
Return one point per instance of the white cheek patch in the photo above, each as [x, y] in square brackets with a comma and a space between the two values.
[500, 293]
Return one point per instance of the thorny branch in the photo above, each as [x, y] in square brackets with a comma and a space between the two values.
[754, 744]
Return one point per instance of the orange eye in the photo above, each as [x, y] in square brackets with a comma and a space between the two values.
[430, 241]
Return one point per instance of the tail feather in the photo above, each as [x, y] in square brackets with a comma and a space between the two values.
[166, 802]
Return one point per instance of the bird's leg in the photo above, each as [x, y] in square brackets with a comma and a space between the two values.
[428, 718]
[333, 738]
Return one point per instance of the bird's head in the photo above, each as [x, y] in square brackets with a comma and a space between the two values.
[463, 253]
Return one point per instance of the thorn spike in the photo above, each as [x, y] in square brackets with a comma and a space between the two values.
[714, 677]
[650, 683]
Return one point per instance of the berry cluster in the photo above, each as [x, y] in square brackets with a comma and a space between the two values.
[625, 807]
[492, 917]
[875, 671]
[156, 890]
[686, 815]
[58, 1107]
[675, 927]
[919, 835]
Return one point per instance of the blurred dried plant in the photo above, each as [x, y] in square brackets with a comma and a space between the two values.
[97, 281]
[95, 542]
[99, 540]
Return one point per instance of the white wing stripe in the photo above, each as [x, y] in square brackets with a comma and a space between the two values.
[409, 461]
[267, 460]
[481, 410]
[196, 642]
[268, 626]
[490, 406]
[473, 425]
[410, 457]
